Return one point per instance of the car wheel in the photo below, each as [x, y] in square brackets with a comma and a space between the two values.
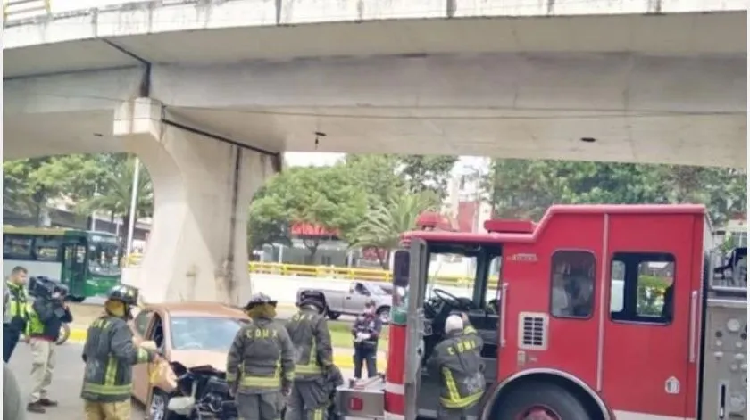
[64, 334]
[384, 314]
[542, 401]
[333, 315]
[158, 410]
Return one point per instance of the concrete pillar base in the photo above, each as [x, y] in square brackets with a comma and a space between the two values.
[197, 249]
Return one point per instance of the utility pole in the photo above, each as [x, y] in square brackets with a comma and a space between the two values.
[133, 207]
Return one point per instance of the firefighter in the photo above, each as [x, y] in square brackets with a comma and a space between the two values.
[109, 354]
[308, 330]
[260, 366]
[470, 332]
[460, 368]
[15, 310]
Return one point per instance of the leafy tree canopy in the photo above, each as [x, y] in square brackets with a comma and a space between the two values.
[316, 196]
[518, 188]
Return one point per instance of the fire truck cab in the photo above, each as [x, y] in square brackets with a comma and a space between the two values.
[597, 312]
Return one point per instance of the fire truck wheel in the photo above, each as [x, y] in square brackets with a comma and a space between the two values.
[541, 401]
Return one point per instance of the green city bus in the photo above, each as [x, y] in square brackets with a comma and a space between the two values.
[87, 262]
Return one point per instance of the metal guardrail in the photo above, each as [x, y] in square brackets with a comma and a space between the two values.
[25, 8]
[343, 273]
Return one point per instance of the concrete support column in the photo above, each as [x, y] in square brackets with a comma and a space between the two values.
[197, 249]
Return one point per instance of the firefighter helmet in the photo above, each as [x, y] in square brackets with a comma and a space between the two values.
[312, 297]
[124, 293]
[260, 299]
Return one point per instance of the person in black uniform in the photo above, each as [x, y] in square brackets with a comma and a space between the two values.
[461, 370]
[366, 332]
[308, 330]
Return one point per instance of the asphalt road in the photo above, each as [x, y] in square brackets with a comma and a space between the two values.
[66, 383]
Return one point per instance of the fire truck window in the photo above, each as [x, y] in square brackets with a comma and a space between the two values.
[572, 292]
[655, 279]
[642, 287]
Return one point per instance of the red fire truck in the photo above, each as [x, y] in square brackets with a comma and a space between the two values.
[600, 312]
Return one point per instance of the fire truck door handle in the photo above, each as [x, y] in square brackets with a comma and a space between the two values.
[503, 303]
[692, 351]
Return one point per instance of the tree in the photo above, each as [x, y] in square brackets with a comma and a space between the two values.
[323, 197]
[376, 175]
[383, 225]
[426, 172]
[266, 222]
[519, 188]
[111, 188]
[28, 184]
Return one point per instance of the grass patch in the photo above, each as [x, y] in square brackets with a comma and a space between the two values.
[341, 335]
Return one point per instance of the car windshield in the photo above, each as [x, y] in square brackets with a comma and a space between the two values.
[376, 289]
[104, 256]
[204, 333]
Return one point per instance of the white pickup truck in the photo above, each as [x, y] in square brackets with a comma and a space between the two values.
[352, 301]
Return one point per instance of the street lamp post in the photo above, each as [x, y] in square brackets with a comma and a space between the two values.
[133, 203]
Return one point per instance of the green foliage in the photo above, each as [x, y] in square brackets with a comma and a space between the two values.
[29, 183]
[317, 196]
[266, 223]
[426, 172]
[519, 188]
[108, 187]
[383, 225]
[100, 182]
[376, 175]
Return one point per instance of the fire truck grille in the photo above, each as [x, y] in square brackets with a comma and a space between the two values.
[533, 331]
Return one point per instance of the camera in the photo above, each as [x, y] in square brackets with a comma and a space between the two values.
[42, 287]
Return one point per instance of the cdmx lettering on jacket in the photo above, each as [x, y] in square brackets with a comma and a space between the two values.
[261, 333]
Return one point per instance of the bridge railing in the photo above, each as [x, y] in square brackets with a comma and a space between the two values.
[13, 9]
[343, 273]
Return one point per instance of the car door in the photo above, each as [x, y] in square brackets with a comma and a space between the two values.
[355, 300]
[142, 324]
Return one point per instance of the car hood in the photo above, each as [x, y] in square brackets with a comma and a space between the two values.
[192, 358]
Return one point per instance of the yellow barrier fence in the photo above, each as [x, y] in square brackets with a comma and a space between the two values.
[343, 273]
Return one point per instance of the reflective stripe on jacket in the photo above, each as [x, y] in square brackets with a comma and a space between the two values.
[109, 354]
[46, 318]
[457, 360]
[15, 306]
[261, 358]
[311, 337]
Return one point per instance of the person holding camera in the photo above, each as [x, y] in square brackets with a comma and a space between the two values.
[366, 331]
[47, 315]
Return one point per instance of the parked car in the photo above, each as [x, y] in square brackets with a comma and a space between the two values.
[352, 301]
[192, 334]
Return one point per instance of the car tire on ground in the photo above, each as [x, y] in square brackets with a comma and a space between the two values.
[537, 398]
[157, 409]
[64, 334]
[333, 315]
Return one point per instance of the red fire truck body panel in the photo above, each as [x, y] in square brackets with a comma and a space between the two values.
[640, 370]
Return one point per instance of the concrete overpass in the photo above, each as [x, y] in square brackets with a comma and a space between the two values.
[208, 93]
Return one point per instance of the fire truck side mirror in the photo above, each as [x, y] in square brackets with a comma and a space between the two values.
[401, 263]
